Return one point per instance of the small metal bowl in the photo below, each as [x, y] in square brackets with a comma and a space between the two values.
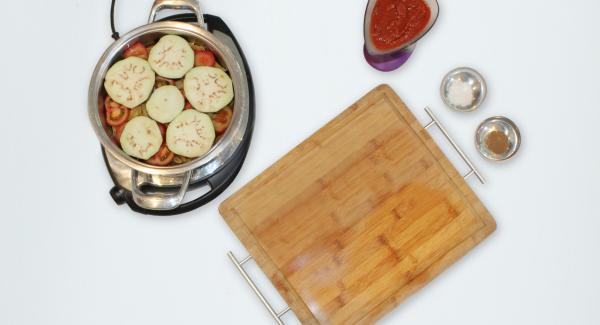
[476, 84]
[503, 125]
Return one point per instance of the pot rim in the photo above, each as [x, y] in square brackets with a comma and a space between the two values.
[222, 151]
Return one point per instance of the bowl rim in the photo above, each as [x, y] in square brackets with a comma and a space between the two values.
[477, 75]
[513, 127]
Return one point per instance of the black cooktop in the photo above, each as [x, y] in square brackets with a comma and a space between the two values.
[223, 177]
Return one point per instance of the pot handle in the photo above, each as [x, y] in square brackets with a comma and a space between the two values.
[192, 5]
[158, 201]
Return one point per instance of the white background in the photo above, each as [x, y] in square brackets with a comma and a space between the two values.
[69, 255]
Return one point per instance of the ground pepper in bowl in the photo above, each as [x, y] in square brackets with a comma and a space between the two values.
[497, 142]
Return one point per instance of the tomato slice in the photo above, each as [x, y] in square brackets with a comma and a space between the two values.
[116, 115]
[222, 119]
[187, 105]
[108, 103]
[204, 58]
[137, 49]
[117, 130]
[163, 157]
[163, 130]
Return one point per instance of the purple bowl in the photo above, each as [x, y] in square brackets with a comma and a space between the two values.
[389, 62]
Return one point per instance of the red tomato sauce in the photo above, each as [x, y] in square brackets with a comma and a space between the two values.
[397, 22]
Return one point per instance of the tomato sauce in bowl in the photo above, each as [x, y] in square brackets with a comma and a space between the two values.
[397, 22]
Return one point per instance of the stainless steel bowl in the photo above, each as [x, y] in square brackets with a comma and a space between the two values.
[506, 127]
[197, 169]
[476, 84]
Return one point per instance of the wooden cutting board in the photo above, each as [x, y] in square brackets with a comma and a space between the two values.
[359, 216]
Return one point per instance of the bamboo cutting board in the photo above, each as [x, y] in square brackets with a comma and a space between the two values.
[359, 216]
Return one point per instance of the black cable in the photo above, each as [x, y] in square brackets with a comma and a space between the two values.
[115, 34]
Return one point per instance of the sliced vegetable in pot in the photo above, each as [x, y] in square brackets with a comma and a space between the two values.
[204, 58]
[141, 138]
[117, 131]
[138, 111]
[163, 130]
[181, 160]
[172, 57]
[147, 96]
[222, 119]
[179, 85]
[208, 89]
[137, 49]
[191, 134]
[160, 81]
[109, 103]
[129, 82]
[165, 104]
[197, 47]
[163, 157]
[116, 114]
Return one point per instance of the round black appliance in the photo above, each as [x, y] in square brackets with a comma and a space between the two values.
[219, 180]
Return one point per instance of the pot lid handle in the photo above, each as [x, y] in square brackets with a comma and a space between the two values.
[192, 5]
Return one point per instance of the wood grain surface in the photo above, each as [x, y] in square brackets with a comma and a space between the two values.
[359, 216]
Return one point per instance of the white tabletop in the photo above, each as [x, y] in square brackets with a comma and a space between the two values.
[69, 255]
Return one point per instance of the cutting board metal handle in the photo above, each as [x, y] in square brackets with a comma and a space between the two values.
[435, 121]
[240, 267]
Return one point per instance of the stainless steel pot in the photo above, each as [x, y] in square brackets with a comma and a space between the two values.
[199, 169]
